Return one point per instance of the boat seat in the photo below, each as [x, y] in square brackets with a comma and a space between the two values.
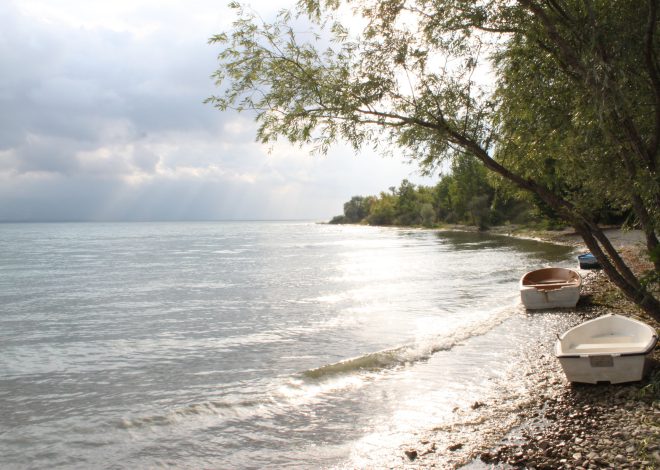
[607, 347]
[552, 284]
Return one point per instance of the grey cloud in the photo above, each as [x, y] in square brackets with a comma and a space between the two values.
[145, 159]
[77, 83]
[48, 154]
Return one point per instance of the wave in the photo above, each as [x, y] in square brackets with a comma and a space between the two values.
[408, 354]
[211, 408]
[369, 362]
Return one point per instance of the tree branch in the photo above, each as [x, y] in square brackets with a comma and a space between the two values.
[567, 52]
[562, 12]
[652, 67]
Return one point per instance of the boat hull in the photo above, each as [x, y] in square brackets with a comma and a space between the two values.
[588, 261]
[611, 348]
[538, 299]
[612, 369]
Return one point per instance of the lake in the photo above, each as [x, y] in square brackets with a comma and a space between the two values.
[250, 344]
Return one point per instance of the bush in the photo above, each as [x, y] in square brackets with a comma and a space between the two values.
[338, 219]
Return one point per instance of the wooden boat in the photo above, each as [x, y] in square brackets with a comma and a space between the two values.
[611, 348]
[550, 288]
[588, 261]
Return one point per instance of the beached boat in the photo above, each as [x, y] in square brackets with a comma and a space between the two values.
[611, 348]
[550, 288]
[588, 261]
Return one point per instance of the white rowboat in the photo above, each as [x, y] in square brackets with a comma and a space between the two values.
[550, 288]
[611, 348]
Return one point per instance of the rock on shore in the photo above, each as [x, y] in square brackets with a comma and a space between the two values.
[589, 426]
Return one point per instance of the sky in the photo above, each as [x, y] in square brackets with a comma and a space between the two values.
[102, 118]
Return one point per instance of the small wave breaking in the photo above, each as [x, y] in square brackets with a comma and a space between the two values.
[403, 355]
[209, 408]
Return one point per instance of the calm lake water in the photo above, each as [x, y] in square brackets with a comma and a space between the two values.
[248, 345]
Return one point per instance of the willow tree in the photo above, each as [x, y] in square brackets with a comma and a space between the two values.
[547, 94]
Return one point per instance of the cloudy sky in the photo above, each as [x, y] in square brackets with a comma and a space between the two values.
[102, 119]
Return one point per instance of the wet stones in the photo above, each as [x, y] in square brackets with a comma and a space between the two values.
[411, 454]
[594, 427]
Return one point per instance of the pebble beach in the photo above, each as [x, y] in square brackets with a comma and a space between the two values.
[554, 424]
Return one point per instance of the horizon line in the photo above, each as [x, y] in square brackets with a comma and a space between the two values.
[109, 221]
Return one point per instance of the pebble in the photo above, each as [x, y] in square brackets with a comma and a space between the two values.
[411, 454]
[590, 427]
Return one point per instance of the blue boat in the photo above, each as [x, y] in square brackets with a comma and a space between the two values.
[588, 261]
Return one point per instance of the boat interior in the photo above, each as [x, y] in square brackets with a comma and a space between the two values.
[609, 344]
[616, 336]
[551, 278]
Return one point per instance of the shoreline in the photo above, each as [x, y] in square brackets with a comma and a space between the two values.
[559, 425]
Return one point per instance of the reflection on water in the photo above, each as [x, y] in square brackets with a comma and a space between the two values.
[282, 344]
[465, 241]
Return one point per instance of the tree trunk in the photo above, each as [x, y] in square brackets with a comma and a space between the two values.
[632, 290]
[613, 265]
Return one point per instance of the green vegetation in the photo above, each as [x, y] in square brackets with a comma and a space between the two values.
[558, 99]
[463, 197]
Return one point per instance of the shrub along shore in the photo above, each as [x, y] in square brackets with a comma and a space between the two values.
[466, 196]
[561, 425]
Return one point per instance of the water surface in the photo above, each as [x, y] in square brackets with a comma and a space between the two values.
[248, 344]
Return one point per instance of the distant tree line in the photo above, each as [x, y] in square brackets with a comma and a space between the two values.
[430, 206]
[468, 195]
